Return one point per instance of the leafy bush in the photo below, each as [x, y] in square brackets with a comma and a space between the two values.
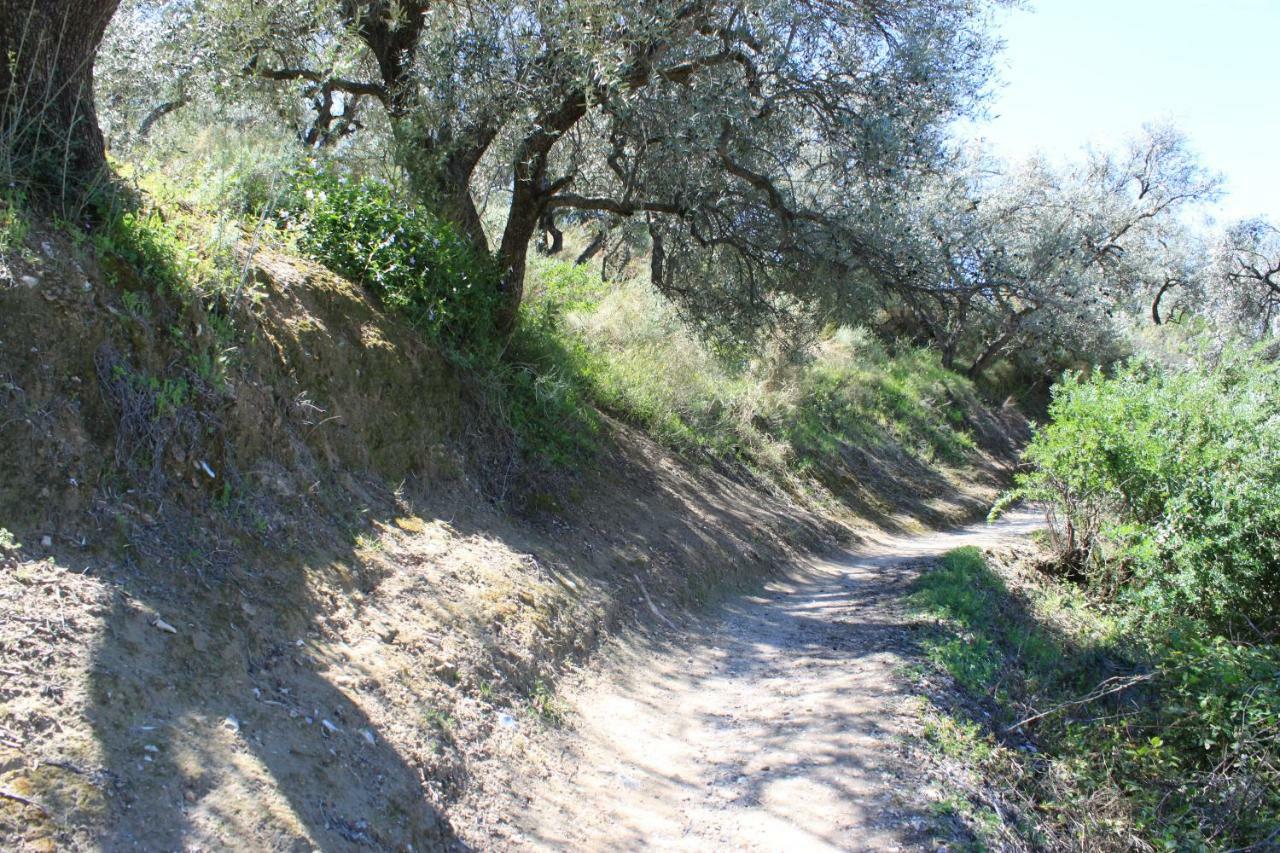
[422, 269]
[1167, 487]
[419, 266]
[1129, 738]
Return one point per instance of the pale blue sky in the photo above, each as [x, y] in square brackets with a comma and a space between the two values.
[1079, 71]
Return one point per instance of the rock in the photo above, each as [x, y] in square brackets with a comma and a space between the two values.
[164, 626]
[29, 281]
[46, 541]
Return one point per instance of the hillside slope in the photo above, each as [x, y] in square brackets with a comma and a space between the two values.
[263, 593]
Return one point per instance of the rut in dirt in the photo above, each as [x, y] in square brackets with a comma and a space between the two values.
[780, 721]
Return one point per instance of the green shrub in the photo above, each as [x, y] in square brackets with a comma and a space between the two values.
[423, 270]
[1167, 738]
[1167, 487]
[419, 266]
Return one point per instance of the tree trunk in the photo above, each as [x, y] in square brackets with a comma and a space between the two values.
[593, 248]
[553, 238]
[48, 125]
[522, 224]
[530, 191]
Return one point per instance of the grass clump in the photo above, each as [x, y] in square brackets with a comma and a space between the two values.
[793, 411]
[1091, 728]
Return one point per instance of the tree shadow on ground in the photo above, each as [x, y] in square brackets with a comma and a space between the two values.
[796, 702]
[230, 709]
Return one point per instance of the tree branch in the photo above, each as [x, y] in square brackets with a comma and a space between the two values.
[353, 87]
[611, 205]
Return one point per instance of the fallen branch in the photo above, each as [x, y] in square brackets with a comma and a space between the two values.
[652, 606]
[18, 798]
[1097, 693]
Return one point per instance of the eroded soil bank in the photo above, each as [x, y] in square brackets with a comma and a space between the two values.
[289, 611]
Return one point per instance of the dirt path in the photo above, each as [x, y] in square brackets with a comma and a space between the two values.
[783, 721]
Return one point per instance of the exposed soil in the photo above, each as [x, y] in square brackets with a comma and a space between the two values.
[778, 721]
[282, 611]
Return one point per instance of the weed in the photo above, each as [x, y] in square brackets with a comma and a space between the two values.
[137, 304]
[439, 720]
[546, 705]
[14, 224]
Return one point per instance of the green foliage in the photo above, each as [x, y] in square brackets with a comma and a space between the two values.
[422, 269]
[1171, 738]
[628, 352]
[419, 266]
[14, 222]
[1168, 481]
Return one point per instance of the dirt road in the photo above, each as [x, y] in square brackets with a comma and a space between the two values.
[781, 721]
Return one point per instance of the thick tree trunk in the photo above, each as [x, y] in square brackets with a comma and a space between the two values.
[48, 125]
[522, 224]
[530, 192]
[440, 167]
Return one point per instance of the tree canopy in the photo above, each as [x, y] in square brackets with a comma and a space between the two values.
[749, 136]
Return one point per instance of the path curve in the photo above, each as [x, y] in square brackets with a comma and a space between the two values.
[779, 721]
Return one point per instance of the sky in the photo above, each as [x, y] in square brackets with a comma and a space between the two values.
[1080, 71]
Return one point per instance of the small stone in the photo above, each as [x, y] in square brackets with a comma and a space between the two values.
[29, 281]
[46, 541]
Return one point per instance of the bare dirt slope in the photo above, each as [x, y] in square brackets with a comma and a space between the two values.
[781, 721]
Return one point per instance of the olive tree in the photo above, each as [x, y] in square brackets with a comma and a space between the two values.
[48, 125]
[1247, 281]
[747, 135]
[1040, 261]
